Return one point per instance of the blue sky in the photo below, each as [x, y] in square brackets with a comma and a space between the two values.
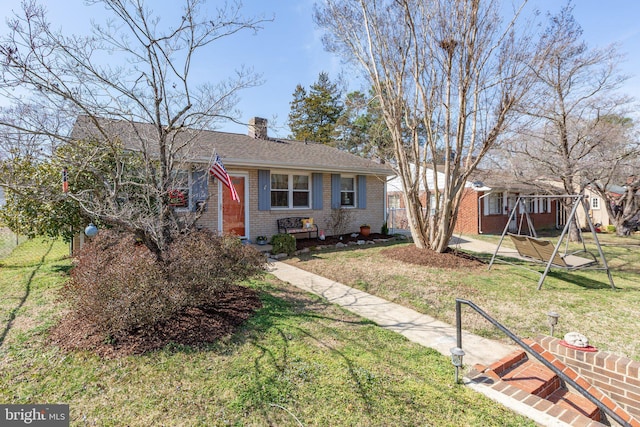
[288, 50]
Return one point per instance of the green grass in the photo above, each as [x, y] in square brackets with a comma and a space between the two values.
[583, 298]
[8, 241]
[298, 361]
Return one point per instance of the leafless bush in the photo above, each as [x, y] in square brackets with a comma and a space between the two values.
[339, 221]
[119, 286]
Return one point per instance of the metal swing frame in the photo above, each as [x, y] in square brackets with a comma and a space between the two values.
[552, 259]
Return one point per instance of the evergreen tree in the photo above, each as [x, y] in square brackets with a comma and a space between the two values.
[314, 115]
[362, 128]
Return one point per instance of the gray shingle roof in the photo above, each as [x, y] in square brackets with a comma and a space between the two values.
[237, 150]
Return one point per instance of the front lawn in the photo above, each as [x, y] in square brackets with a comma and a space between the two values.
[584, 299]
[298, 361]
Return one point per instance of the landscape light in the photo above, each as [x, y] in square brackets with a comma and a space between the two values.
[552, 318]
[456, 358]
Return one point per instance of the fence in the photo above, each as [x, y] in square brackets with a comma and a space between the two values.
[8, 241]
[397, 221]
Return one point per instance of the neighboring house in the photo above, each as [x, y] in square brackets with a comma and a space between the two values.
[596, 206]
[486, 205]
[274, 179]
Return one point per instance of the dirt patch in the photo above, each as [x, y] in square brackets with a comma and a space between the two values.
[449, 259]
[193, 327]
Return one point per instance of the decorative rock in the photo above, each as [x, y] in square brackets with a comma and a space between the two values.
[360, 242]
[340, 245]
[355, 235]
[370, 242]
[280, 256]
[576, 339]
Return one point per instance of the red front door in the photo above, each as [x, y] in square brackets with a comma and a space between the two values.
[233, 213]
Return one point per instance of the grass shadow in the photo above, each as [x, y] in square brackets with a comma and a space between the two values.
[578, 280]
[27, 291]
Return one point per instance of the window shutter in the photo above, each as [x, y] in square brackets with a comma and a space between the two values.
[335, 191]
[316, 188]
[264, 190]
[199, 188]
[505, 204]
[362, 191]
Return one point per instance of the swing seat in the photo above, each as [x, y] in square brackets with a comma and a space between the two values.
[542, 251]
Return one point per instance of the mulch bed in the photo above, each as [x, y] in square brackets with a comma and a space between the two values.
[193, 327]
[449, 259]
[334, 240]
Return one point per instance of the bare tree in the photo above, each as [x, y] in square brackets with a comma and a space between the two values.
[447, 74]
[566, 135]
[614, 164]
[136, 68]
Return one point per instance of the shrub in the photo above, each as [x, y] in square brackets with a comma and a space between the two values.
[611, 228]
[283, 243]
[339, 220]
[202, 264]
[119, 286]
[384, 229]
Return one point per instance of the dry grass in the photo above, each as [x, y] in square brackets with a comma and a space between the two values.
[583, 299]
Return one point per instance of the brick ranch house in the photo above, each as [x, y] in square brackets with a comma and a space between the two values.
[485, 207]
[274, 178]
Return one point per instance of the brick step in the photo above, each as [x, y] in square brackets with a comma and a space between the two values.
[574, 402]
[530, 376]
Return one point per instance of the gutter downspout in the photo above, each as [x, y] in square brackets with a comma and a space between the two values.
[480, 211]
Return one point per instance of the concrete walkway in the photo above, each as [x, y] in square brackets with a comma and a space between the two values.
[417, 327]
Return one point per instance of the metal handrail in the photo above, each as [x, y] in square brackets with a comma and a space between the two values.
[545, 362]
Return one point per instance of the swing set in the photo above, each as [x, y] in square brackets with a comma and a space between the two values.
[534, 249]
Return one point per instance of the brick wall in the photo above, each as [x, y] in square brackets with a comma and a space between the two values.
[263, 223]
[615, 376]
[467, 221]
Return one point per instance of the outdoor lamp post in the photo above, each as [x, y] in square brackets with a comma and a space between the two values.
[91, 230]
[552, 318]
[456, 358]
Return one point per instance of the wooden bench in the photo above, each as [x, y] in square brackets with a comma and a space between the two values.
[297, 225]
[542, 251]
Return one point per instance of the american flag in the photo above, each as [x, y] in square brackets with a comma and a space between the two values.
[217, 169]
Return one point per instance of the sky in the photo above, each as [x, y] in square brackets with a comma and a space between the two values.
[288, 50]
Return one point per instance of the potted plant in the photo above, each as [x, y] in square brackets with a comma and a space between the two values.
[365, 229]
[261, 240]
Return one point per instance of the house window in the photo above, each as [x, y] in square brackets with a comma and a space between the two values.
[495, 203]
[595, 203]
[347, 191]
[544, 205]
[290, 191]
[179, 193]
